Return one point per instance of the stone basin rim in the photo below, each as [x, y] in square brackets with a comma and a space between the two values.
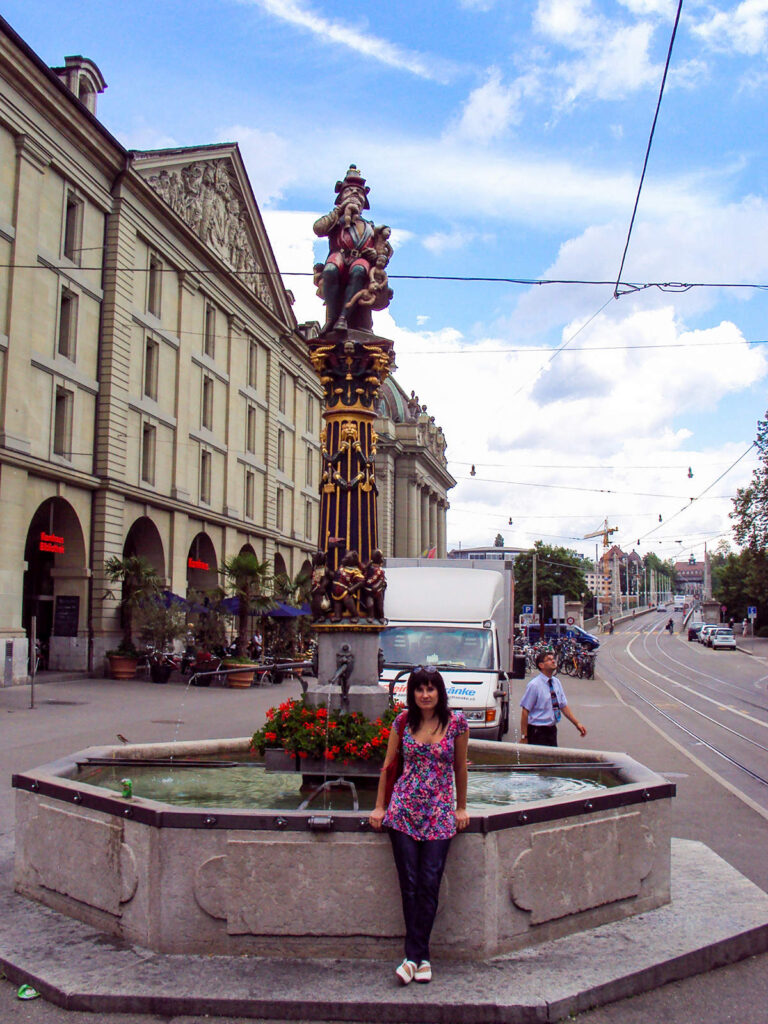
[637, 785]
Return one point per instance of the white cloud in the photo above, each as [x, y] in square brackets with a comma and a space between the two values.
[624, 407]
[742, 29]
[477, 5]
[293, 243]
[665, 8]
[491, 109]
[612, 57]
[572, 23]
[717, 242]
[535, 438]
[442, 242]
[364, 44]
[266, 157]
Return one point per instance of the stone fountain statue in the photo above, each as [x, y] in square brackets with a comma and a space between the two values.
[353, 280]
[352, 362]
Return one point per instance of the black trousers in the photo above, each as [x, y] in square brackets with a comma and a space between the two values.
[420, 864]
[542, 735]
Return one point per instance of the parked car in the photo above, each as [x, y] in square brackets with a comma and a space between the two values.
[552, 632]
[722, 638]
[704, 632]
[694, 628]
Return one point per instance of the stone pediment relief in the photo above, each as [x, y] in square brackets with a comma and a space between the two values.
[207, 196]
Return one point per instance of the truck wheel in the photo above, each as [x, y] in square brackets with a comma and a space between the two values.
[504, 726]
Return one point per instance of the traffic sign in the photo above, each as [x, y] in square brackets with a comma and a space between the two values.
[570, 621]
[752, 611]
[527, 609]
[723, 607]
[558, 606]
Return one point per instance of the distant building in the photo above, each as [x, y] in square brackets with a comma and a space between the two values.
[489, 553]
[412, 476]
[156, 398]
[690, 577]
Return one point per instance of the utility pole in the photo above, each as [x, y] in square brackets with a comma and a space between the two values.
[533, 587]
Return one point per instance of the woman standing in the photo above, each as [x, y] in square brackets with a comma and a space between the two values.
[421, 816]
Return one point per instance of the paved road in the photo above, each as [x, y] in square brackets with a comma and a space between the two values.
[711, 806]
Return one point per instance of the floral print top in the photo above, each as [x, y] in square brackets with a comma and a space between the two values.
[422, 801]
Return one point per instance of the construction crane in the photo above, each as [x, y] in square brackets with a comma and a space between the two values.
[605, 532]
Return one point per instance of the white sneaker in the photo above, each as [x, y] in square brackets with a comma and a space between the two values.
[423, 971]
[406, 971]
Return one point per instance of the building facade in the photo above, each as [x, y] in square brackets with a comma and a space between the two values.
[156, 397]
[412, 476]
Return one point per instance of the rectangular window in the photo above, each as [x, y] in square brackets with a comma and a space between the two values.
[205, 478]
[151, 361]
[67, 324]
[250, 430]
[310, 414]
[73, 228]
[253, 364]
[62, 423]
[309, 476]
[280, 502]
[209, 346]
[250, 490]
[281, 450]
[154, 288]
[308, 523]
[282, 391]
[148, 442]
[208, 403]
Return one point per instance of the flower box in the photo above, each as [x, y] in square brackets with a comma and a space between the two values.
[278, 760]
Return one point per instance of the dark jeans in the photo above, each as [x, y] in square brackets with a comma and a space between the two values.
[420, 864]
[542, 735]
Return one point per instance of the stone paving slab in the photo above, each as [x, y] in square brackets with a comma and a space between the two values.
[717, 916]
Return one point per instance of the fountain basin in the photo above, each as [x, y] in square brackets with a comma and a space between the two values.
[314, 884]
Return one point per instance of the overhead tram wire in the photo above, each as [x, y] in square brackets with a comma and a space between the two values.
[632, 286]
[616, 292]
[698, 497]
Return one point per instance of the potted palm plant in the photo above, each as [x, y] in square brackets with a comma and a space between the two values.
[140, 583]
[247, 579]
[159, 626]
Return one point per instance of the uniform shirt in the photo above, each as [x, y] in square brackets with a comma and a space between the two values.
[537, 700]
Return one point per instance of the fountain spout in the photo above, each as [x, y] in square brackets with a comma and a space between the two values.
[345, 661]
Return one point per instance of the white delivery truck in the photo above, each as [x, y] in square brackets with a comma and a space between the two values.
[457, 615]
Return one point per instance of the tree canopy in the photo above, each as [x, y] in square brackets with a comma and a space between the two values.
[558, 571]
[750, 506]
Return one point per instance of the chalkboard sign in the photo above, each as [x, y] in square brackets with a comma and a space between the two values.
[66, 616]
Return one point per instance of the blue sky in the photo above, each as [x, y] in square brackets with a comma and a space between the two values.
[502, 139]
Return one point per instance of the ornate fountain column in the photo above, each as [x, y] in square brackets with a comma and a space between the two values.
[352, 363]
[352, 366]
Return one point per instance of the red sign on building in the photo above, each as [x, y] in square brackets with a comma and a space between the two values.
[193, 563]
[50, 542]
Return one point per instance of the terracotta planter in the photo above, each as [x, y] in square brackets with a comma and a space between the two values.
[240, 679]
[122, 667]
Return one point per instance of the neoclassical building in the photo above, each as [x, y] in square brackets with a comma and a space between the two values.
[412, 476]
[155, 395]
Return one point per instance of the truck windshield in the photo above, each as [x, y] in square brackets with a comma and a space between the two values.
[448, 647]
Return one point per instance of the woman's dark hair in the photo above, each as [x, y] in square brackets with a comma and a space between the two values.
[417, 678]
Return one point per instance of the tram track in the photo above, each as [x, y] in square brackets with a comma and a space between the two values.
[716, 701]
[619, 669]
[736, 689]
